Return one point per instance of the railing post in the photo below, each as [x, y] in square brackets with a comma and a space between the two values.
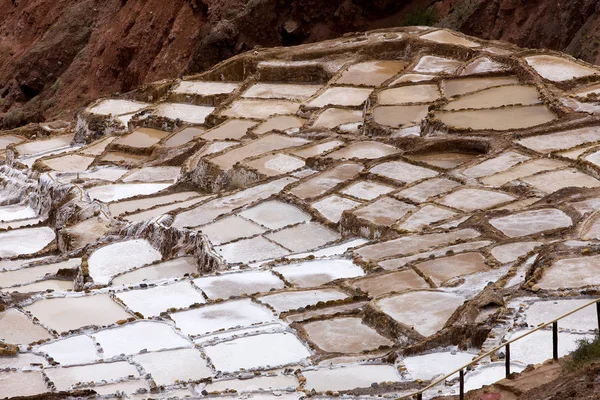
[598, 314]
[507, 359]
[462, 384]
[555, 340]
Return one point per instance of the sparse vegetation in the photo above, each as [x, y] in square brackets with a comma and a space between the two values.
[587, 351]
[426, 17]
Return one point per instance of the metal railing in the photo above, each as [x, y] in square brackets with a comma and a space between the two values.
[506, 346]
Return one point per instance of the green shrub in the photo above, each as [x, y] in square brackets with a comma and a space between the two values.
[426, 17]
[587, 351]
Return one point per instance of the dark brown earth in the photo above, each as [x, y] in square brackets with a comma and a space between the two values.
[57, 56]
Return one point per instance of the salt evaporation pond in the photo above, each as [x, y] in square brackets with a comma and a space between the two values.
[25, 241]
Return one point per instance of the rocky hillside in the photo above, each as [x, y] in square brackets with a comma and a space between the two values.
[56, 56]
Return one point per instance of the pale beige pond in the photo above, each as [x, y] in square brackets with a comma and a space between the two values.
[232, 129]
[557, 68]
[69, 163]
[496, 97]
[446, 160]
[457, 87]
[333, 117]
[371, 73]
[184, 136]
[400, 115]
[281, 91]
[279, 123]
[442, 36]
[409, 94]
[499, 119]
[259, 109]
[142, 138]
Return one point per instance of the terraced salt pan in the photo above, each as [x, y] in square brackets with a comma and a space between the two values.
[142, 138]
[412, 78]
[227, 315]
[169, 367]
[156, 212]
[558, 69]
[455, 87]
[344, 335]
[326, 180]
[134, 337]
[108, 261]
[364, 150]
[413, 243]
[184, 112]
[19, 276]
[43, 286]
[349, 377]
[184, 136]
[70, 377]
[43, 146]
[334, 117]
[257, 147]
[332, 207]
[496, 97]
[231, 129]
[20, 223]
[304, 237]
[313, 151]
[512, 251]
[207, 212]
[279, 123]
[260, 351]
[442, 36]
[402, 172]
[371, 73]
[110, 193]
[15, 212]
[376, 285]
[22, 361]
[177, 267]
[385, 211]
[425, 216]
[17, 328]
[340, 96]
[154, 174]
[117, 156]
[73, 350]
[276, 164]
[571, 273]
[530, 222]
[251, 250]
[428, 189]
[236, 284]
[64, 314]
[561, 140]
[499, 119]
[230, 228]
[367, 190]
[275, 214]
[446, 160]
[117, 107]
[444, 269]
[264, 383]
[153, 301]
[281, 91]
[409, 94]
[17, 383]
[25, 241]
[69, 163]
[259, 109]
[400, 115]
[437, 65]
[552, 181]
[429, 366]
[495, 165]
[123, 207]
[5, 140]
[293, 300]
[475, 199]
[523, 170]
[318, 272]
[205, 88]
[484, 65]
[424, 311]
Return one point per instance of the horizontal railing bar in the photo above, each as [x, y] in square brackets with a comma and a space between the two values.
[495, 349]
